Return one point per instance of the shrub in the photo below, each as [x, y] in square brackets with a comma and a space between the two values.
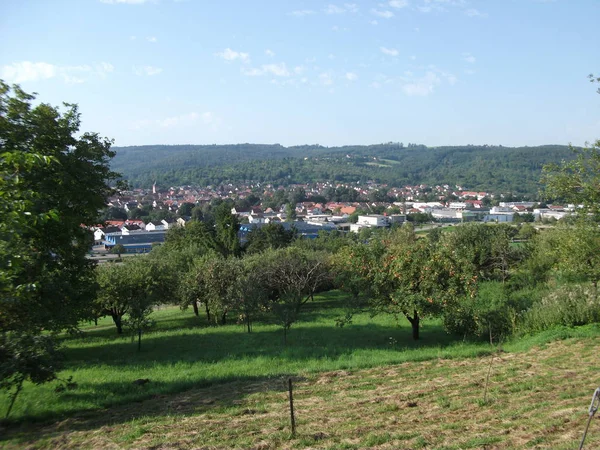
[572, 305]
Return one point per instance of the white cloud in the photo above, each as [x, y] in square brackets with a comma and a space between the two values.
[475, 13]
[422, 86]
[389, 51]
[232, 55]
[469, 58]
[209, 119]
[128, 2]
[298, 70]
[412, 57]
[146, 70]
[351, 76]
[334, 9]
[278, 70]
[269, 53]
[384, 14]
[26, 71]
[302, 13]
[326, 79]
[152, 39]
[398, 3]
[374, 22]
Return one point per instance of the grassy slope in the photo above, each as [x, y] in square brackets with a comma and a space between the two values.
[537, 397]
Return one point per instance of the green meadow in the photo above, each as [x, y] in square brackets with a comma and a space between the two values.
[182, 355]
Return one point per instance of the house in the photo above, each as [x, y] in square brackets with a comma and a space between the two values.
[128, 229]
[256, 218]
[182, 221]
[140, 242]
[169, 223]
[155, 225]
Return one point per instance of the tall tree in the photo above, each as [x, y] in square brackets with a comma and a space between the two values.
[52, 181]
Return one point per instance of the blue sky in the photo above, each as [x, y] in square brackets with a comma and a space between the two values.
[436, 72]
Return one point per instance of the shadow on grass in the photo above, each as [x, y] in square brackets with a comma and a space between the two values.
[215, 345]
[158, 401]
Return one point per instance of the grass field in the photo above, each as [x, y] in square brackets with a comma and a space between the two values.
[367, 385]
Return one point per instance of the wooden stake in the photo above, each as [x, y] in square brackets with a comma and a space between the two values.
[292, 407]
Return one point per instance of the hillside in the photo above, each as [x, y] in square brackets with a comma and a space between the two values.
[493, 168]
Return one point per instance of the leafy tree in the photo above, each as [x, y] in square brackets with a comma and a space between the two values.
[227, 226]
[413, 278]
[292, 276]
[127, 288]
[118, 249]
[272, 235]
[52, 180]
[576, 181]
[185, 210]
[191, 287]
[290, 212]
[197, 213]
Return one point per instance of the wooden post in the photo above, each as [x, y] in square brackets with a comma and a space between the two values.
[292, 407]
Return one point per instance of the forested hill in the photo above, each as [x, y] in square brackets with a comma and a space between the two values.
[493, 168]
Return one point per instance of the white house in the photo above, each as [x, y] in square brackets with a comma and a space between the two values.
[155, 226]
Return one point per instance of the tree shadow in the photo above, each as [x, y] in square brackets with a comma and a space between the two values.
[192, 398]
[215, 345]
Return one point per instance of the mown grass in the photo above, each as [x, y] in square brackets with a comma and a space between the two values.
[224, 374]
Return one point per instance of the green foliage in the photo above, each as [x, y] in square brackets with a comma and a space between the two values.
[499, 169]
[118, 249]
[570, 305]
[52, 182]
[492, 314]
[270, 236]
[292, 276]
[576, 181]
[127, 288]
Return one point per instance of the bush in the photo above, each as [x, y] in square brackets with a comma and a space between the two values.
[492, 313]
[571, 306]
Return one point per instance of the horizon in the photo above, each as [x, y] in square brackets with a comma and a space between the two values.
[335, 72]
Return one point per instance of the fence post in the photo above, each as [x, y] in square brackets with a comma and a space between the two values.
[293, 420]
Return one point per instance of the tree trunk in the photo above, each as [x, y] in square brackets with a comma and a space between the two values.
[224, 319]
[195, 306]
[118, 322]
[139, 339]
[248, 323]
[414, 321]
[284, 335]
[207, 312]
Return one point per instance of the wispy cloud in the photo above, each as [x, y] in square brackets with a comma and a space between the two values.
[278, 70]
[146, 70]
[351, 76]
[389, 51]
[128, 2]
[422, 86]
[469, 58]
[269, 53]
[194, 118]
[472, 12]
[382, 13]
[152, 39]
[326, 79]
[336, 9]
[231, 55]
[28, 71]
[398, 3]
[302, 12]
